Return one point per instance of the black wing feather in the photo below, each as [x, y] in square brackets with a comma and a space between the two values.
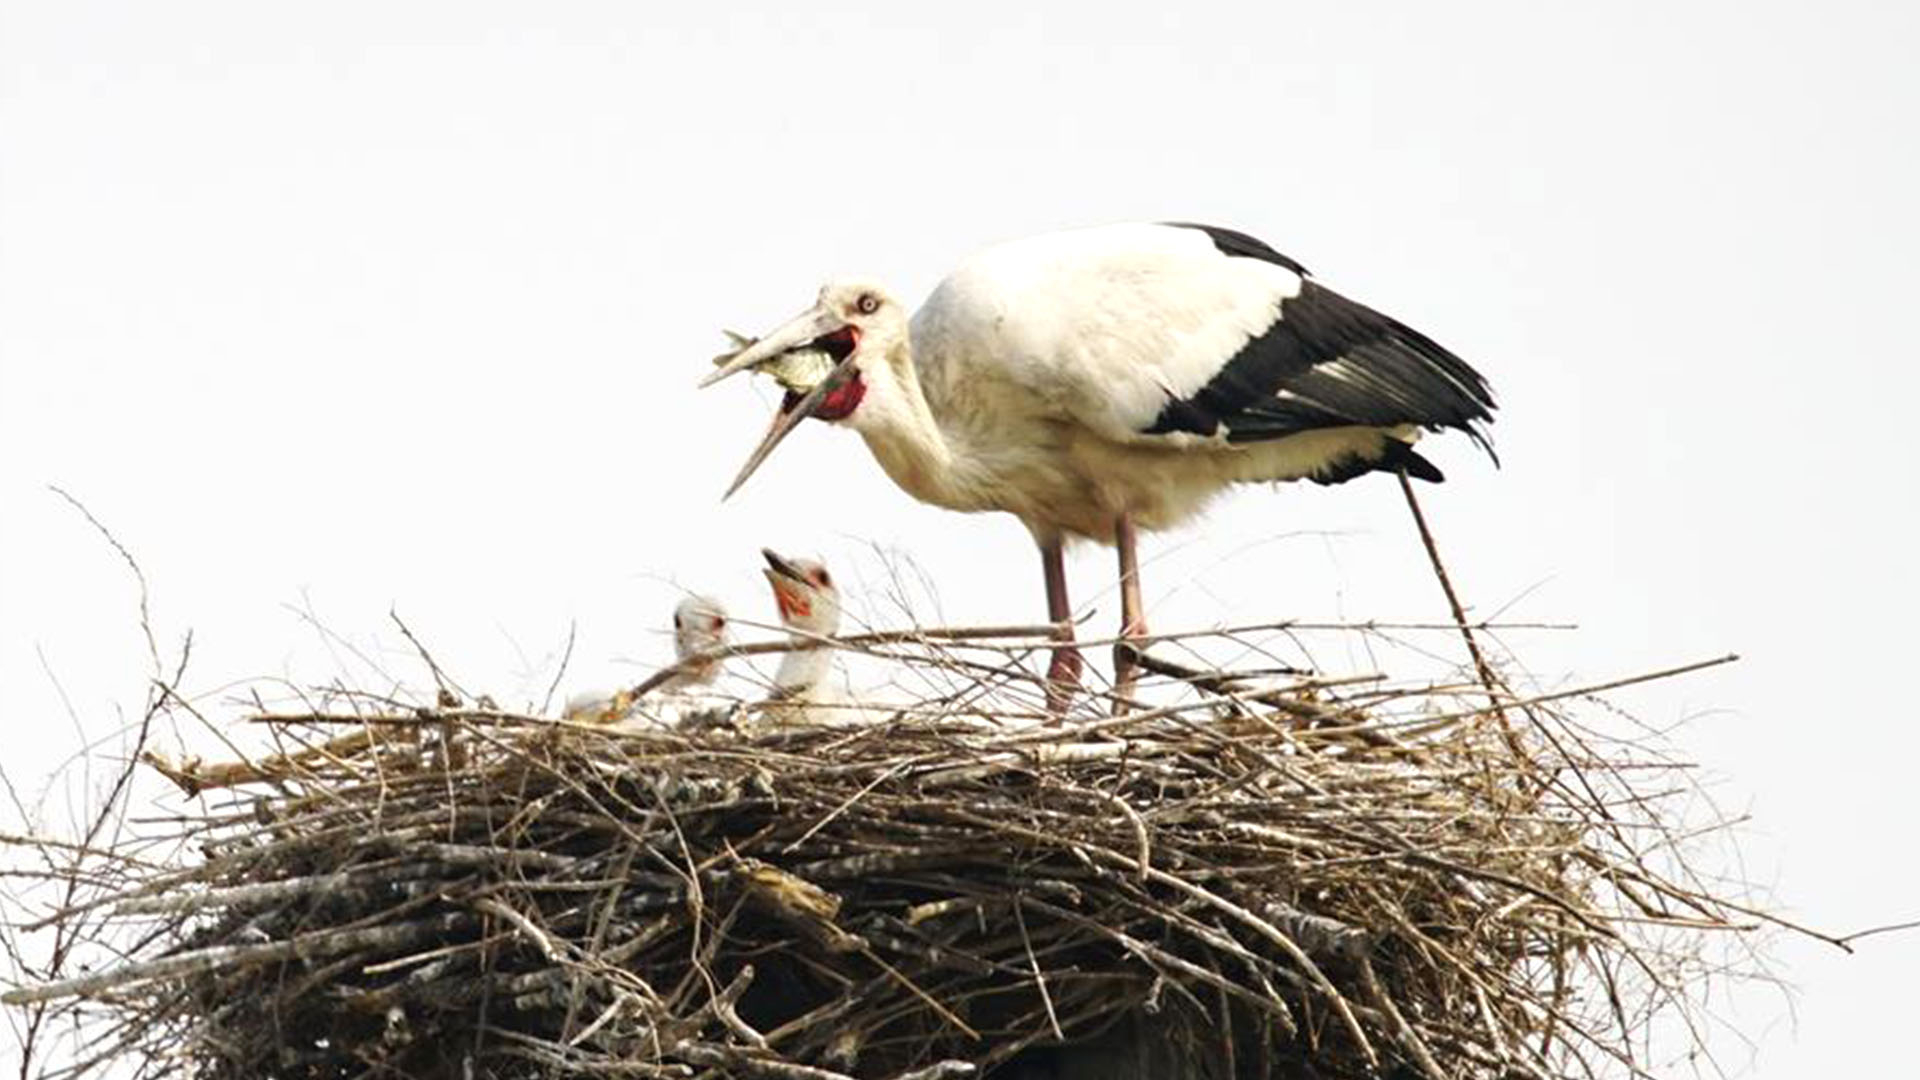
[1328, 361]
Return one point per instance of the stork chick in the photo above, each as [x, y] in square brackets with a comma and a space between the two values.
[808, 687]
[699, 628]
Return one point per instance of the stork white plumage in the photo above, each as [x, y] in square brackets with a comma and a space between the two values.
[699, 631]
[1100, 381]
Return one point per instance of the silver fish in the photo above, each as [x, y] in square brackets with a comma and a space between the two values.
[797, 370]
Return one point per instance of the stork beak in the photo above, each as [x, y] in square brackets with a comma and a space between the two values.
[780, 566]
[801, 330]
[788, 417]
[791, 591]
[796, 332]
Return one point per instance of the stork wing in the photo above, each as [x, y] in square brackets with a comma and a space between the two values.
[1327, 361]
[1178, 333]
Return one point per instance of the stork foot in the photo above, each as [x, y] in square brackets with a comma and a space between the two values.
[1063, 679]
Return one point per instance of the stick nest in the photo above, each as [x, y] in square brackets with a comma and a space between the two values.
[1310, 881]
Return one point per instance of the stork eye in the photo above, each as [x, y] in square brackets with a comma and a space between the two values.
[867, 304]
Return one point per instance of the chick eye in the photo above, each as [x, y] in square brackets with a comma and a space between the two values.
[867, 304]
[719, 623]
[822, 578]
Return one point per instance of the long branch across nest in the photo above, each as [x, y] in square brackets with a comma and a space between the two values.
[1330, 879]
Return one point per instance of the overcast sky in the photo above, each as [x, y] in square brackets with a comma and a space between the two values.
[399, 305]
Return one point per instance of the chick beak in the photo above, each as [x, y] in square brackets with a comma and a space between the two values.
[790, 590]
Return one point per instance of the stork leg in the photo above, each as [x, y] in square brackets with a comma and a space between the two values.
[1063, 674]
[1133, 619]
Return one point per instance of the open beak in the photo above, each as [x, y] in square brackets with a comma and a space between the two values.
[798, 405]
[788, 591]
[780, 566]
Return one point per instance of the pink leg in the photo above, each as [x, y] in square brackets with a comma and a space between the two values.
[1063, 674]
[1133, 618]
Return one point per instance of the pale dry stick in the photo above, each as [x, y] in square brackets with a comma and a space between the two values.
[441, 680]
[215, 957]
[732, 1060]
[471, 718]
[853, 642]
[1404, 1033]
[940, 1070]
[1221, 683]
[139, 576]
[1845, 941]
[1284, 699]
[914, 988]
[428, 956]
[48, 843]
[1039, 977]
[166, 881]
[1235, 631]
[169, 903]
[885, 775]
[1141, 837]
[1098, 726]
[1706, 905]
[1428, 724]
[1480, 664]
[560, 670]
[593, 1026]
[167, 693]
[532, 933]
[192, 778]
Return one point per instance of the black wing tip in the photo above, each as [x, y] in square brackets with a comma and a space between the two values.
[1477, 431]
[1395, 457]
[1403, 458]
[1233, 242]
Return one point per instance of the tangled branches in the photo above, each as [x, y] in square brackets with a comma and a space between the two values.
[1336, 878]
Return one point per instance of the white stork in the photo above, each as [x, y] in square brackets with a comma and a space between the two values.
[1101, 381]
[699, 628]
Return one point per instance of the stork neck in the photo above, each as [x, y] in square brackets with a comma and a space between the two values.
[927, 459]
[803, 669]
[701, 674]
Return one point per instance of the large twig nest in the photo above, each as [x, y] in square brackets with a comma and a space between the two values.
[1300, 887]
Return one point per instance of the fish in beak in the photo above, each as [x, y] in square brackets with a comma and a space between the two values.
[811, 357]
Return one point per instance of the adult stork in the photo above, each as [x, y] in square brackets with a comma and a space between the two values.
[1101, 381]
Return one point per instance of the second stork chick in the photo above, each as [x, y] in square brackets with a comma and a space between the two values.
[699, 632]
[809, 688]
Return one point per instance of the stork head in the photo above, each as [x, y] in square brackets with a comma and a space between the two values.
[828, 358]
[808, 600]
[699, 625]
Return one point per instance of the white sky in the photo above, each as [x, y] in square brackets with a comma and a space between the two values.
[400, 304]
